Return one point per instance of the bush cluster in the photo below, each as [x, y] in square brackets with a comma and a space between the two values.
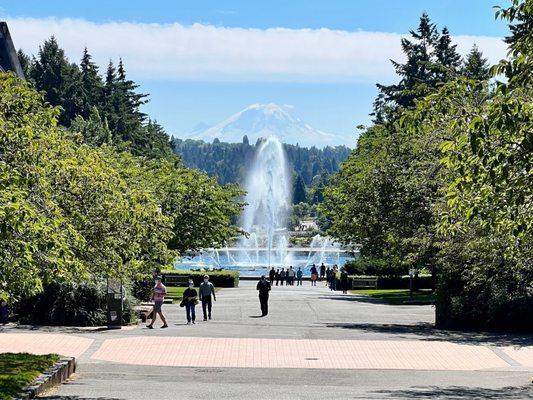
[217, 278]
[69, 304]
[375, 266]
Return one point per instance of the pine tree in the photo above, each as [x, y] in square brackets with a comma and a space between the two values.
[92, 85]
[431, 59]
[25, 63]
[299, 195]
[129, 103]
[475, 65]
[448, 60]
[60, 80]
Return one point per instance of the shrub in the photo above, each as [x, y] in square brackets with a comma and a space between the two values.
[399, 282]
[374, 266]
[69, 304]
[217, 278]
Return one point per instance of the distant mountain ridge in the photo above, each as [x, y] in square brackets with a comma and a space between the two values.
[264, 120]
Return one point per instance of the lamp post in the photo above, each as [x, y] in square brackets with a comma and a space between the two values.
[411, 275]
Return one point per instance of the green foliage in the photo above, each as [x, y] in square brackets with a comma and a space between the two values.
[70, 212]
[299, 194]
[375, 267]
[95, 107]
[20, 369]
[475, 66]
[431, 60]
[217, 278]
[229, 162]
[446, 184]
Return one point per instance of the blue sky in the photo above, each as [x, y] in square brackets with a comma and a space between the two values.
[204, 60]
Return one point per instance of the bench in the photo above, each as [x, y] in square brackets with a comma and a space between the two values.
[364, 283]
[176, 280]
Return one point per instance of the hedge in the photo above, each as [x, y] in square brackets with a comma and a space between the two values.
[398, 282]
[217, 278]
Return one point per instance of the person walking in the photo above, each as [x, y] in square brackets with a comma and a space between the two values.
[205, 291]
[4, 312]
[272, 275]
[314, 275]
[263, 286]
[282, 275]
[190, 299]
[344, 281]
[322, 271]
[277, 277]
[299, 275]
[158, 296]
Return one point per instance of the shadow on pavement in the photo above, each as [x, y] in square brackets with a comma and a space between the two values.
[458, 392]
[428, 332]
[371, 300]
[77, 398]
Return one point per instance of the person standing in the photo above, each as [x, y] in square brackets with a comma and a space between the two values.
[322, 271]
[272, 276]
[291, 273]
[190, 299]
[299, 275]
[277, 277]
[206, 291]
[263, 286]
[314, 275]
[344, 281]
[158, 296]
[282, 275]
[4, 312]
[328, 276]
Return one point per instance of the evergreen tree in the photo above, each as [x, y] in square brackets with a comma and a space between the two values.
[94, 130]
[25, 63]
[128, 103]
[475, 65]
[92, 85]
[298, 194]
[431, 59]
[447, 57]
[59, 79]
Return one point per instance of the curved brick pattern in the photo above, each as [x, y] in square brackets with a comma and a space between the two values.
[292, 353]
[44, 343]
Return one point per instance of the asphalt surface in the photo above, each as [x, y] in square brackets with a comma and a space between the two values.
[297, 313]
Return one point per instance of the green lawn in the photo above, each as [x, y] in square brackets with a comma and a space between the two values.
[20, 369]
[396, 296]
[176, 293]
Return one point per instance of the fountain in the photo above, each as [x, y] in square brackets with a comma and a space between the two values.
[268, 186]
[268, 199]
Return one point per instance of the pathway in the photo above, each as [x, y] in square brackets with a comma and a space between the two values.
[313, 344]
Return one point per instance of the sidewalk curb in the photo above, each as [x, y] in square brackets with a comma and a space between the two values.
[55, 375]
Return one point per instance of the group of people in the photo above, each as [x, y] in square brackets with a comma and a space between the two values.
[206, 292]
[288, 276]
[191, 297]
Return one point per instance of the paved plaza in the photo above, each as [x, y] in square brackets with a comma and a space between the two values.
[314, 344]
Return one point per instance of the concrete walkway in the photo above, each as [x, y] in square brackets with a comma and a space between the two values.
[313, 344]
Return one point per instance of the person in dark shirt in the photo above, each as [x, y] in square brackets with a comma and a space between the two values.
[272, 275]
[4, 312]
[277, 277]
[190, 299]
[282, 276]
[263, 286]
[322, 271]
[314, 275]
[344, 281]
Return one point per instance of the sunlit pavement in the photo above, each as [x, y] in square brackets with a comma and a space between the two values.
[313, 344]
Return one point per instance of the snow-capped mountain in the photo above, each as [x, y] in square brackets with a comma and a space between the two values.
[264, 120]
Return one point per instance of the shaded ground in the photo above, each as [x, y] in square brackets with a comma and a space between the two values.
[298, 313]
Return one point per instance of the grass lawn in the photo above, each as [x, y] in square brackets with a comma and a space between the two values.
[176, 293]
[396, 296]
[20, 369]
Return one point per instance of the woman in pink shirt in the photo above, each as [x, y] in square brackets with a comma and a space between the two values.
[158, 296]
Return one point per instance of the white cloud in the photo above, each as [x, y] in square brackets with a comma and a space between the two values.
[213, 53]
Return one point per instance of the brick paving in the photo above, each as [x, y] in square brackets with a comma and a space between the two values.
[44, 343]
[293, 353]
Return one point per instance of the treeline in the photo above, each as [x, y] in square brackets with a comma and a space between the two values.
[229, 162]
[443, 179]
[89, 188]
[105, 108]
